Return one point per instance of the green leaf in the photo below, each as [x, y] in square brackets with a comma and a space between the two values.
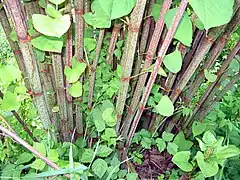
[198, 128]
[172, 148]
[57, 2]
[161, 144]
[209, 76]
[103, 11]
[53, 155]
[209, 138]
[24, 158]
[161, 71]
[167, 136]
[228, 151]
[213, 13]
[40, 55]
[173, 61]
[51, 11]
[156, 8]
[87, 156]
[40, 147]
[198, 23]
[165, 106]
[42, 3]
[208, 168]
[103, 151]
[51, 27]
[132, 176]
[74, 73]
[146, 142]
[61, 171]
[98, 120]
[235, 66]
[182, 143]
[47, 43]
[75, 90]
[99, 167]
[184, 32]
[111, 120]
[89, 44]
[38, 164]
[9, 73]
[13, 36]
[181, 160]
[10, 102]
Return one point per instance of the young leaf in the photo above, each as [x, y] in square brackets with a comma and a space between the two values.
[181, 160]
[103, 11]
[111, 120]
[198, 128]
[173, 61]
[172, 148]
[165, 106]
[161, 144]
[209, 76]
[13, 36]
[209, 138]
[182, 143]
[184, 32]
[10, 102]
[99, 167]
[51, 27]
[47, 43]
[51, 11]
[103, 151]
[213, 13]
[146, 142]
[167, 137]
[208, 168]
[75, 90]
[53, 155]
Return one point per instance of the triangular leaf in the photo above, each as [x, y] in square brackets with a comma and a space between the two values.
[173, 61]
[181, 160]
[165, 106]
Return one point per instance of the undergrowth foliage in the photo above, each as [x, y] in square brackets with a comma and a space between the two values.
[108, 89]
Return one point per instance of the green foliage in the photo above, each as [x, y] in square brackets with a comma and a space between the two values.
[165, 106]
[181, 160]
[107, 10]
[51, 27]
[213, 13]
[184, 32]
[173, 61]
[210, 77]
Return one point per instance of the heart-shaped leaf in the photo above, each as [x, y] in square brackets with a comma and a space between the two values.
[173, 61]
[165, 106]
[75, 90]
[47, 43]
[51, 27]
[213, 13]
[209, 76]
[51, 11]
[106, 10]
[73, 74]
[198, 128]
[208, 168]
[181, 160]
[184, 31]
